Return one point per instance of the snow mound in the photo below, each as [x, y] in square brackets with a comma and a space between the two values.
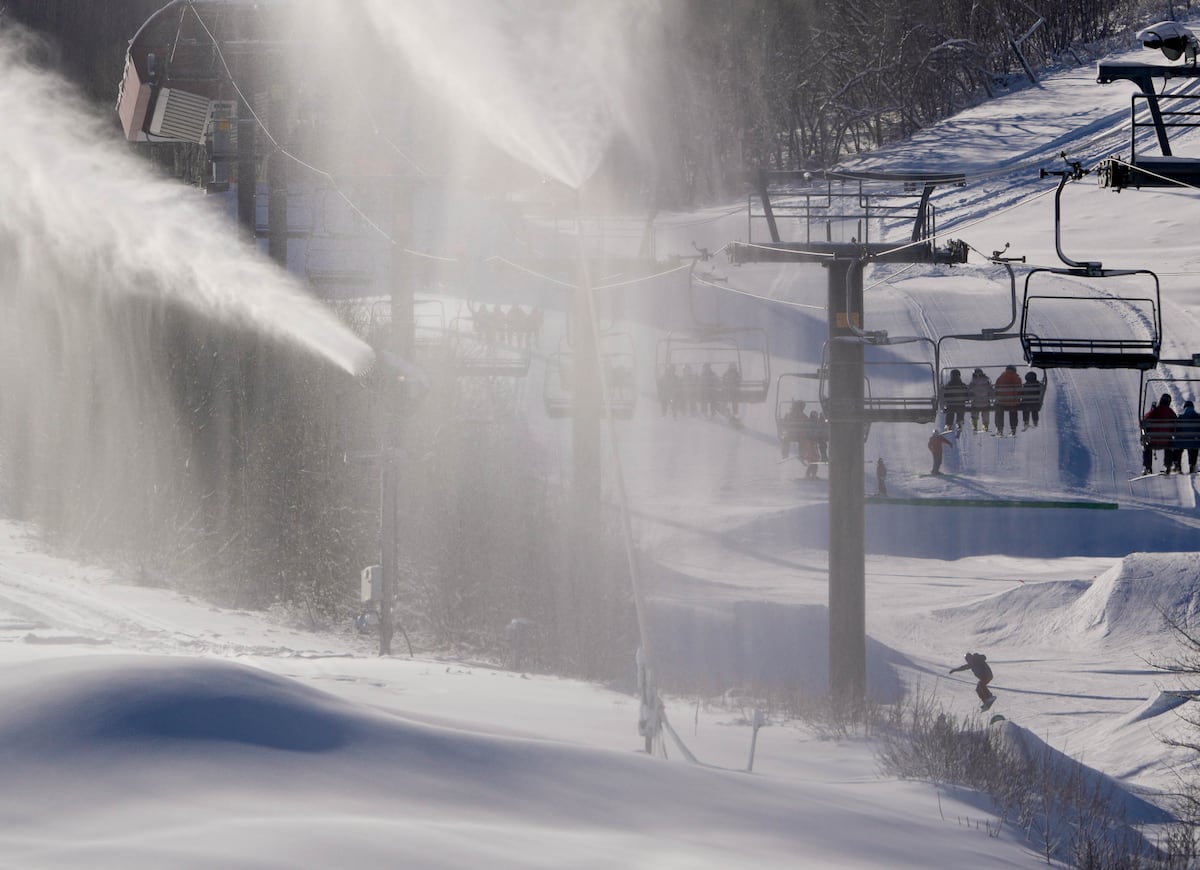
[1087, 782]
[1137, 598]
[224, 765]
[1132, 603]
[77, 704]
[1161, 704]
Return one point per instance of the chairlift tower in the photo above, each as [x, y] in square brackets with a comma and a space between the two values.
[1169, 111]
[850, 206]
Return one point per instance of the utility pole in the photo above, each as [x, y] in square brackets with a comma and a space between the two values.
[395, 405]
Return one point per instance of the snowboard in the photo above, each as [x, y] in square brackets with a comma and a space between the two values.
[987, 705]
[1154, 474]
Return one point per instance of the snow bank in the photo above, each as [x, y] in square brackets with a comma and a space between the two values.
[1128, 605]
[1137, 598]
[1070, 773]
[224, 765]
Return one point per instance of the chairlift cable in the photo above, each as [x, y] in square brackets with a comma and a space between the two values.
[740, 292]
[528, 271]
[641, 278]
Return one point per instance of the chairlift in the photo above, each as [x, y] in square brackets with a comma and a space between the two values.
[895, 390]
[1027, 396]
[616, 353]
[1075, 298]
[1000, 333]
[1176, 434]
[478, 350]
[797, 395]
[720, 348]
[430, 337]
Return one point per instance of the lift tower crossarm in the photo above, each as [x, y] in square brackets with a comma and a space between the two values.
[793, 184]
[824, 252]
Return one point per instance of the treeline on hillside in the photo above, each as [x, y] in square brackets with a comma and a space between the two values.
[799, 84]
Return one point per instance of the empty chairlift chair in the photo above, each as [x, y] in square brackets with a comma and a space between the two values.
[899, 384]
[1085, 316]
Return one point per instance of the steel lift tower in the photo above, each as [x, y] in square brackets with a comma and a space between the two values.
[820, 206]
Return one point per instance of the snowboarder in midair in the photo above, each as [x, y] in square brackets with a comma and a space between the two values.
[977, 662]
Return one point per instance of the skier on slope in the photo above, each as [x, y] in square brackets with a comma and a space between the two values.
[938, 441]
[977, 662]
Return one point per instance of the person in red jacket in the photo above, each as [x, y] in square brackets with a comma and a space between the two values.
[1008, 399]
[1158, 431]
[938, 441]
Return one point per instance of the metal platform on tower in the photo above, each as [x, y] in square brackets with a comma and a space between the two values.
[819, 216]
[1167, 113]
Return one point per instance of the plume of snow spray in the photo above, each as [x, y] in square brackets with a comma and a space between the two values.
[109, 276]
[77, 203]
[552, 84]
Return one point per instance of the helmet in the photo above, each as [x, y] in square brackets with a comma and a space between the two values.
[955, 373]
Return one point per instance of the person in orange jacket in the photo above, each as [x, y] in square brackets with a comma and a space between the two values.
[1008, 399]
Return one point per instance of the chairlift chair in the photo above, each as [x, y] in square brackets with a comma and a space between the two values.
[1031, 396]
[479, 355]
[894, 390]
[1042, 314]
[796, 395]
[1176, 434]
[719, 348]
[1162, 113]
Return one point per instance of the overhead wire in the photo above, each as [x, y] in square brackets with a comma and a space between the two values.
[740, 292]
